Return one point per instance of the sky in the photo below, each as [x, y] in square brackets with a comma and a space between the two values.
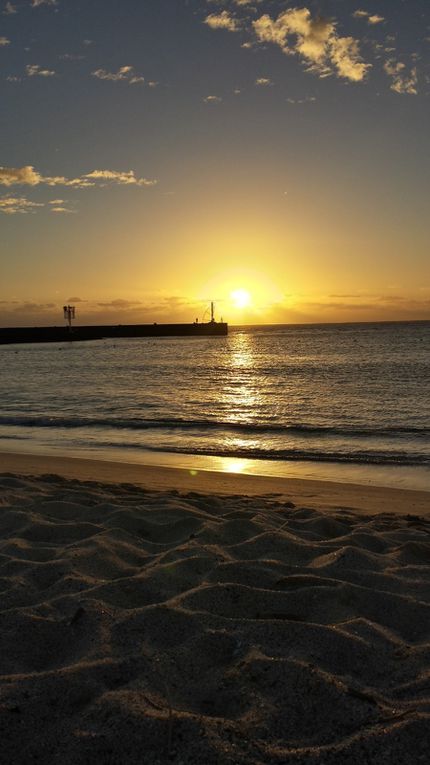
[159, 154]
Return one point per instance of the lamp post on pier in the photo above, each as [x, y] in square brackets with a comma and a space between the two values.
[69, 314]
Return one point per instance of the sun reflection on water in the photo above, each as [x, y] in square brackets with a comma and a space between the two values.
[242, 351]
[240, 396]
[233, 465]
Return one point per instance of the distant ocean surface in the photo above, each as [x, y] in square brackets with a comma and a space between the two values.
[353, 395]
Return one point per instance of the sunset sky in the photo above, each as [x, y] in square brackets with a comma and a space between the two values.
[157, 154]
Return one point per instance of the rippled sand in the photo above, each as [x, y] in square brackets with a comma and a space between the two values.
[149, 627]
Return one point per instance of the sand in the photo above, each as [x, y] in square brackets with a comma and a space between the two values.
[155, 617]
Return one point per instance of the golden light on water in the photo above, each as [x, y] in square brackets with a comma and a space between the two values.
[233, 465]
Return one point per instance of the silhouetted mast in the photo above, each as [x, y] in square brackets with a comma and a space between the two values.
[212, 312]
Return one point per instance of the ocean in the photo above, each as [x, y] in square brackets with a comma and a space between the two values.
[340, 402]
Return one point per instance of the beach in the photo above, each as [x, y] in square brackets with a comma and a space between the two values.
[214, 383]
[154, 615]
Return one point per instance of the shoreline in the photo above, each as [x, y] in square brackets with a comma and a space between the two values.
[398, 476]
[323, 495]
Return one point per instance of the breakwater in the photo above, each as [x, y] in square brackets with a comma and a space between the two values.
[9, 335]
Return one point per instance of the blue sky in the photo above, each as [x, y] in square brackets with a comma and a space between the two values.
[158, 153]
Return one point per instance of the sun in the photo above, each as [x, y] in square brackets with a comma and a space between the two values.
[241, 298]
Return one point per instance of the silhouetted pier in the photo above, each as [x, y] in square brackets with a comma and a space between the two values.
[10, 335]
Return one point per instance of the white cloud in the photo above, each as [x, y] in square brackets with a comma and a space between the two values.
[316, 41]
[4, 41]
[9, 9]
[28, 176]
[38, 3]
[375, 19]
[223, 20]
[212, 100]
[59, 206]
[19, 176]
[15, 205]
[122, 178]
[371, 19]
[345, 55]
[34, 70]
[124, 74]
[402, 82]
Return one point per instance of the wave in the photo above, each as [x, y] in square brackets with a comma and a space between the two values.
[137, 424]
[406, 459]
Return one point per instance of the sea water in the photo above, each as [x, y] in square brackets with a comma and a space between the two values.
[345, 401]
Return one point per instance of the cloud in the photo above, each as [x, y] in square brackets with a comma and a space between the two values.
[223, 20]
[38, 3]
[28, 176]
[34, 70]
[19, 176]
[119, 303]
[375, 19]
[124, 74]
[345, 55]
[316, 41]
[14, 312]
[14, 205]
[4, 41]
[10, 205]
[72, 57]
[31, 307]
[9, 9]
[349, 307]
[263, 81]
[212, 99]
[402, 82]
[122, 178]
[307, 100]
[371, 19]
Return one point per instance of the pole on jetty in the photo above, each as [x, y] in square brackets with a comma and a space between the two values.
[69, 314]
